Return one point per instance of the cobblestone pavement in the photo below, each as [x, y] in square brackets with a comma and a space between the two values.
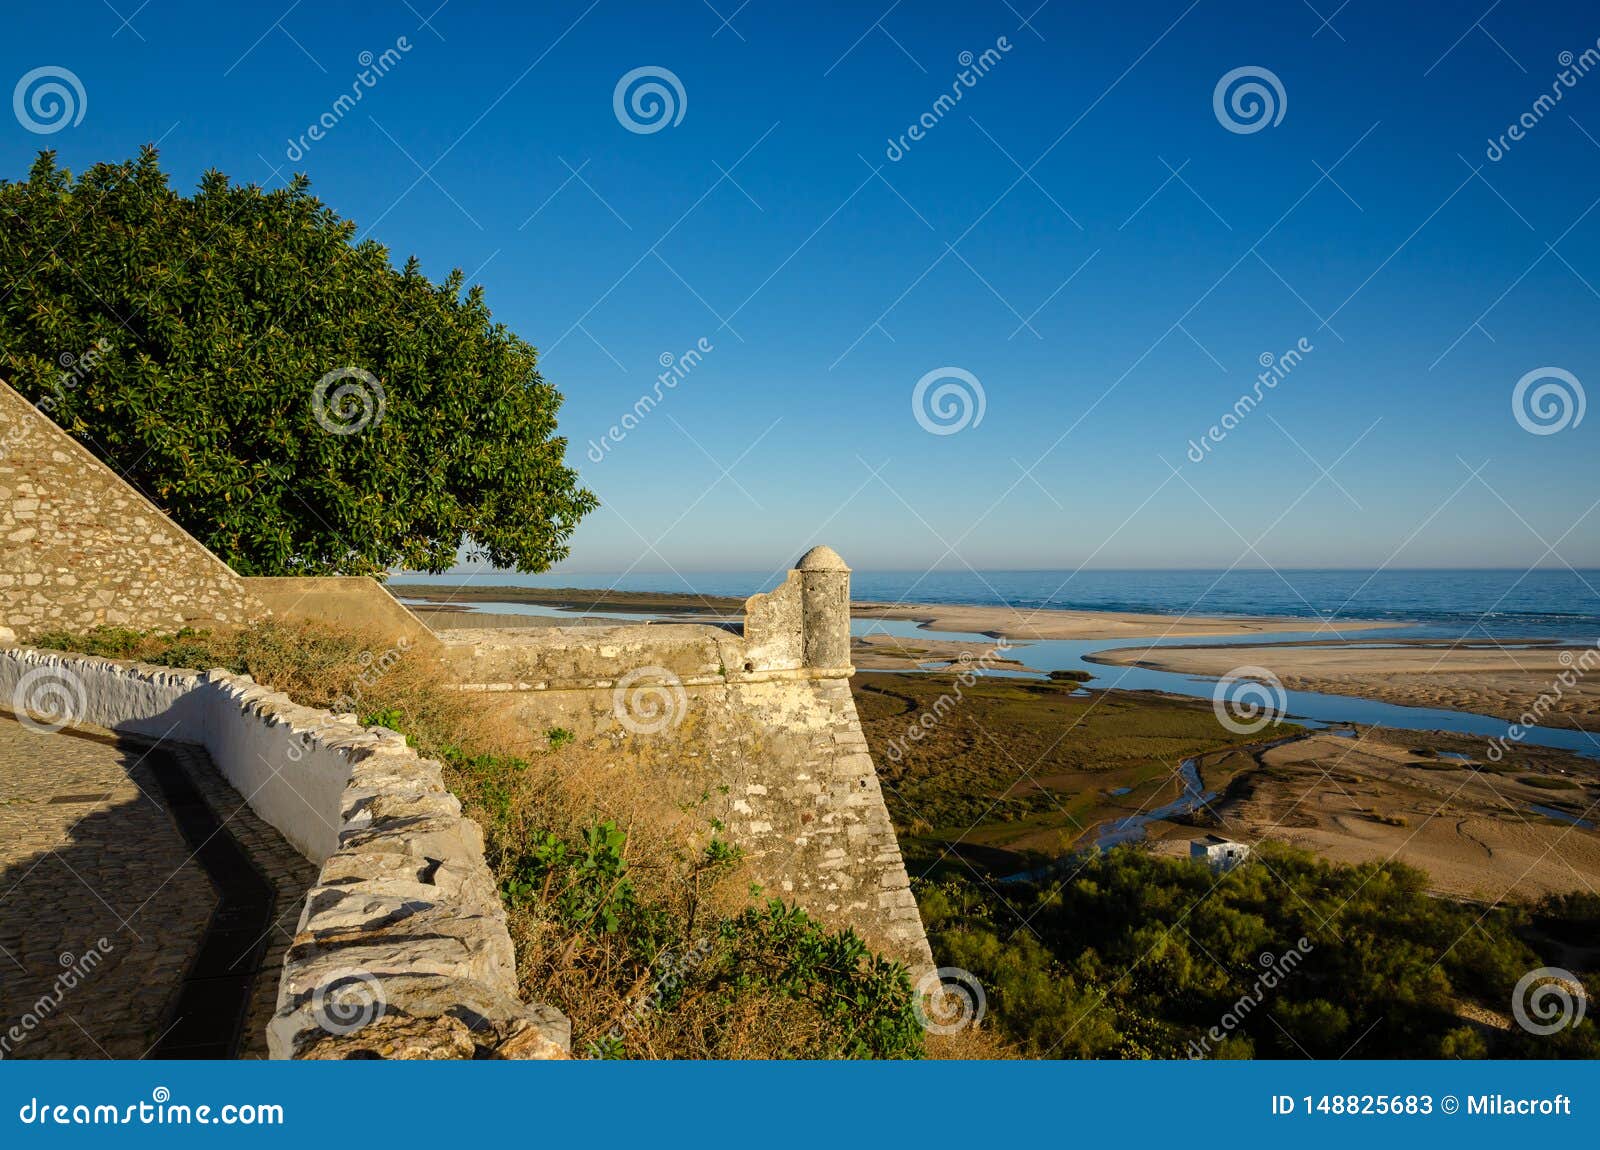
[103, 906]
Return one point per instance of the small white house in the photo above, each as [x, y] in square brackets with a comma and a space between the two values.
[1218, 853]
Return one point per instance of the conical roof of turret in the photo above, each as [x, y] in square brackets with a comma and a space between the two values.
[821, 558]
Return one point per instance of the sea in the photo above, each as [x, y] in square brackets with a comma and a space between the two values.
[1544, 603]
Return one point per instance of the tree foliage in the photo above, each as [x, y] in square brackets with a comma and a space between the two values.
[189, 340]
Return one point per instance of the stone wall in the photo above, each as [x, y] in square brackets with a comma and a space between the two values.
[754, 733]
[403, 932]
[80, 548]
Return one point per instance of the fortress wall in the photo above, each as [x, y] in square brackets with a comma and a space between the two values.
[756, 734]
[781, 766]
[80, 548]
[404, 930]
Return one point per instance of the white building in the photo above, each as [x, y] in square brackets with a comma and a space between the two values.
[1218, 853]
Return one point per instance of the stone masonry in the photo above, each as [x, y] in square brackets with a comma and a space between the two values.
[756, 733]
[81, 548]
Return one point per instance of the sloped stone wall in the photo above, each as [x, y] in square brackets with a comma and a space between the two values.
[80, 548]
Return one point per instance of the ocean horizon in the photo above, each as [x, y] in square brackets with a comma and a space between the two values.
[1492, 602]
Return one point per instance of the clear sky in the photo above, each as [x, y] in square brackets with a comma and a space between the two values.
[1084, 234]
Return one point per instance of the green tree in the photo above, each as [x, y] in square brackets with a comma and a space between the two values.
[274, 384]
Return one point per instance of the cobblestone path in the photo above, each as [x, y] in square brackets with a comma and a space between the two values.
[118, 937]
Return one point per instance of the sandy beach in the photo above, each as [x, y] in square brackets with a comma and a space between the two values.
[1489, 680]
[1472, 826]
[1023, 625]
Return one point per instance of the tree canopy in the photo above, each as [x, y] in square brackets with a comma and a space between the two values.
[275, 385]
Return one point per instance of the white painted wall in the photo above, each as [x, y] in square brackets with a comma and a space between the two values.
[289, 762]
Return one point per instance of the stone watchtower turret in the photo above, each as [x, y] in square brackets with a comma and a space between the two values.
[825, 610]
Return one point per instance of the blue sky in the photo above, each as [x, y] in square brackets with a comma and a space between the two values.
[1081, 233]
